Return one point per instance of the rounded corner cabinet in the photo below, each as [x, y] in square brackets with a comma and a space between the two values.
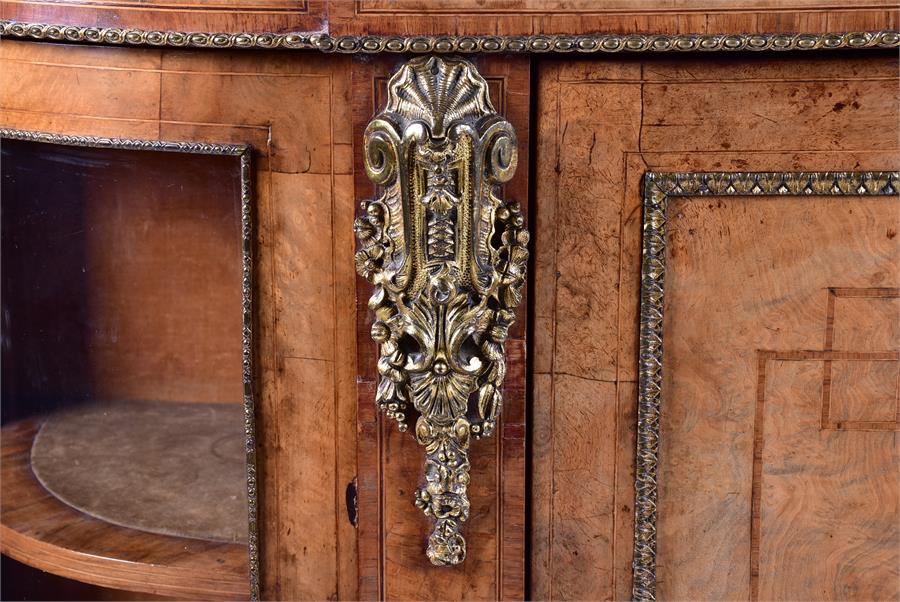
[450, 299]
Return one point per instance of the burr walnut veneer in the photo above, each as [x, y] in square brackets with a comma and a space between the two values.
[778, 436]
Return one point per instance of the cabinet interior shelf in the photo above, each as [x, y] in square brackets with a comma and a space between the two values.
[40, 530]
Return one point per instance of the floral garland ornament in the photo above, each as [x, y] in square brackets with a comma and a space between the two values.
[447, 259]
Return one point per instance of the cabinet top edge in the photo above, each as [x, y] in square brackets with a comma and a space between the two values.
[594, 43]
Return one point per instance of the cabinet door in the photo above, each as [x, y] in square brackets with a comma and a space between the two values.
[778, 449]
[303, 285]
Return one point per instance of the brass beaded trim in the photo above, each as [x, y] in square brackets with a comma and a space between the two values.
[203, 148]
[243, 151]
[564, 43]
[657, 189]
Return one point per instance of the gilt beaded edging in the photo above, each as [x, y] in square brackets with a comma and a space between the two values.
[657, 188]
[203, 148]
[582, 43]
[243, 151]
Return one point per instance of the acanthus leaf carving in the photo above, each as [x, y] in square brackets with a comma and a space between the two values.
[447, 260]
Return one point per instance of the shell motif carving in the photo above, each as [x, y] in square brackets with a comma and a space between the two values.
[447, 259]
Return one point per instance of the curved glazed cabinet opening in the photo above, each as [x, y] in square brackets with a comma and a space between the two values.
[123, 394]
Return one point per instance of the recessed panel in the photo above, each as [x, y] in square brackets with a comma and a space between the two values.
[760, 406]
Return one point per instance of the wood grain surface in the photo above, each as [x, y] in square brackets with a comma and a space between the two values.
[600, 126]
[40, 530]
[174, 15]
[392, 531]
[464, 17]
[294, 111]
[738, 388]
[533, 17]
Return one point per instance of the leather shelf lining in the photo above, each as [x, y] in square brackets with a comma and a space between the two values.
[169, 468]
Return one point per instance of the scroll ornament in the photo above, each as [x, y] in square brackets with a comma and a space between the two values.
[447, 259]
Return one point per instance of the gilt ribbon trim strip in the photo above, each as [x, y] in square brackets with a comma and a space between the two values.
[372, 44]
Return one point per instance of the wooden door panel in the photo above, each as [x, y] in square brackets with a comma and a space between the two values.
[748, 375]
[601, 125]
[303, 255]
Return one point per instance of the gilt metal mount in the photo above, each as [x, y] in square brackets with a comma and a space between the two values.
[447, 259]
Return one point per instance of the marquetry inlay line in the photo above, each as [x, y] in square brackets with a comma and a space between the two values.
[763, 359]
[208, 124]
[828, 421]
[162, 70]
[300, 7]
[588, 8]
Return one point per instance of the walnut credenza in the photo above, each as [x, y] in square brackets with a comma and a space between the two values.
[699, 378]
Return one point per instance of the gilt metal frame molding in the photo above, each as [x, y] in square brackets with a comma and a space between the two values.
[200, 148]
[658, 188]
[595, 43]
[244, 152]
[446, 257]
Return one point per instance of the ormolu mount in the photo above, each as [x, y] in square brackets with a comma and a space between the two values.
[447, 259]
